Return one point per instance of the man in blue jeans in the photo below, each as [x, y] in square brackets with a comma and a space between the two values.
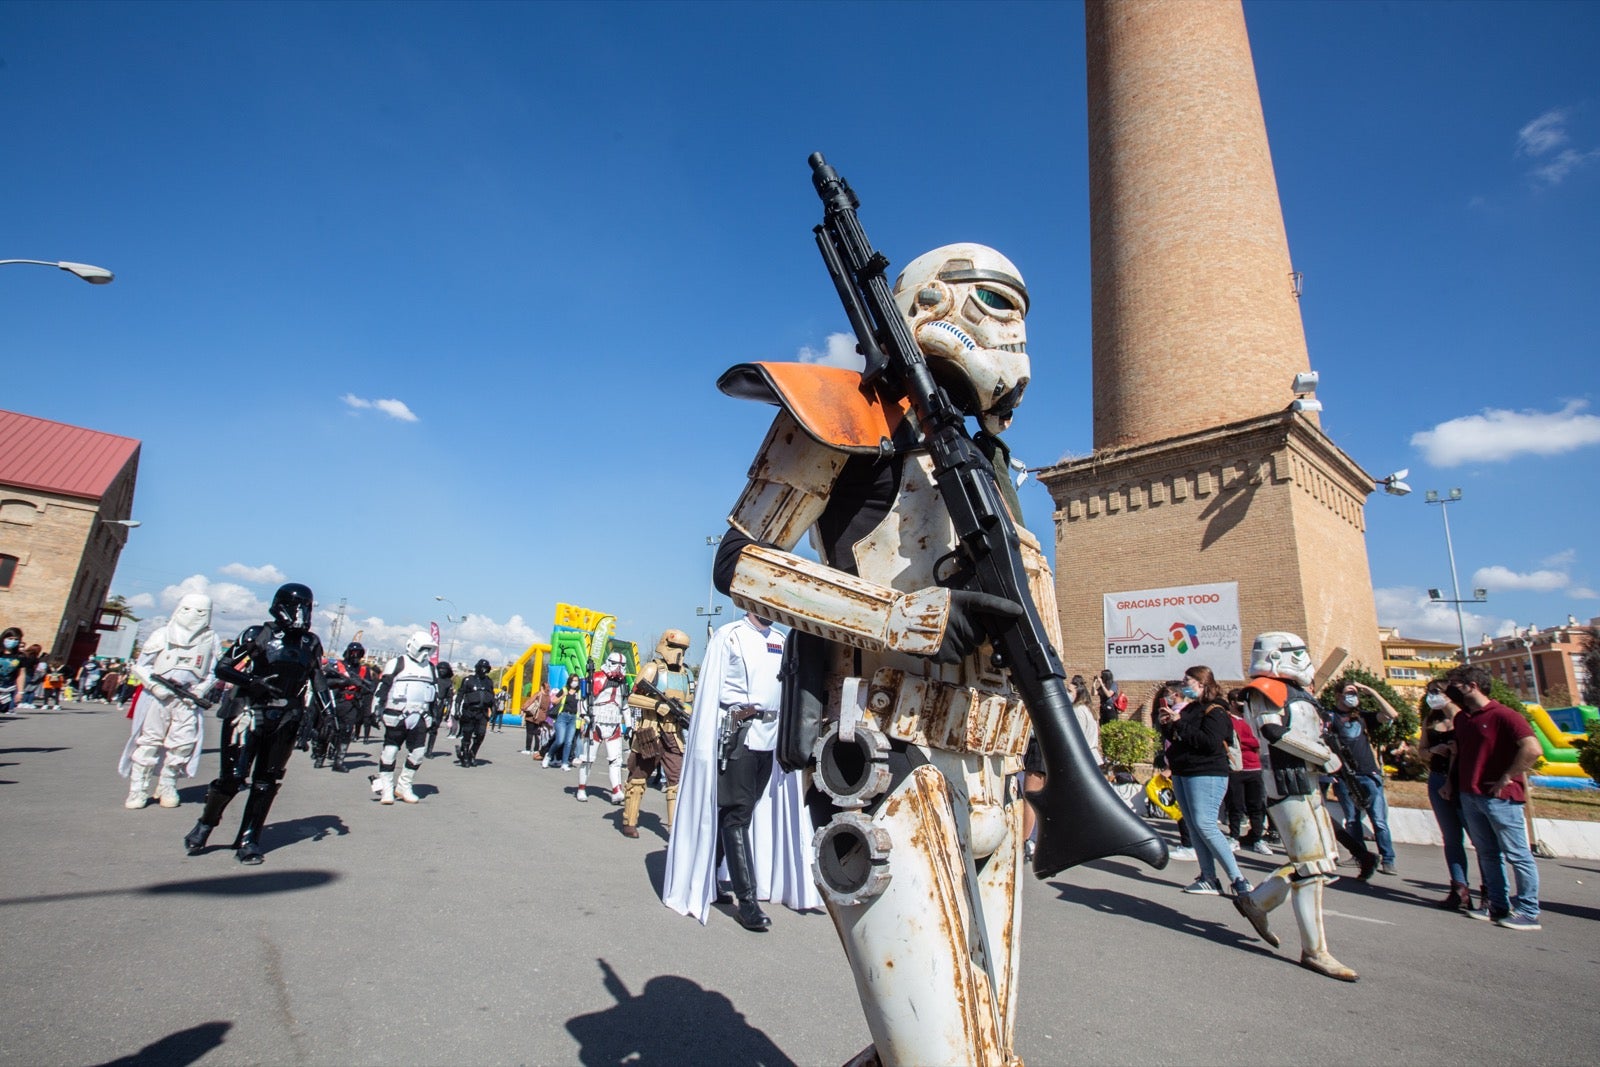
[1495, 748]
[1354, 745]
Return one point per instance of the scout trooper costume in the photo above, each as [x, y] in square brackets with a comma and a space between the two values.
[656, 741]
[920, 849]
[608, 714]
[168, 728]
[406, 698]
[1285, 716]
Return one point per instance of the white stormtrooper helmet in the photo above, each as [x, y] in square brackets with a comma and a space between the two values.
[420, 647]
[190, 619]
[616, 665]
[1281, 655]
[672, 647]
[966, 303]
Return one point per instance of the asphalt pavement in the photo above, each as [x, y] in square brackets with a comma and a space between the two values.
[501, 922]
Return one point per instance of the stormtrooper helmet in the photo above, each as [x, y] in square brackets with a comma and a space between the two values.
[482, 668]
[673, 647]
[1281, 655]
[190, 619]
[966, 303]
[616, 666]
[291, 607]
[420, 647]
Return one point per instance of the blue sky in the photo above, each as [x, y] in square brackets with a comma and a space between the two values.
[544, 230]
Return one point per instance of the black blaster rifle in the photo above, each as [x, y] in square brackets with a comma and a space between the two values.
[1080, 817]
[185, 692]
[675, 708]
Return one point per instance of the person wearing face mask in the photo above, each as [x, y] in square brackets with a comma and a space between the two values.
[558, 753]
[13, 676]
[1438, 747]
[1495, 749]
[1198, 739]
[1348, 725]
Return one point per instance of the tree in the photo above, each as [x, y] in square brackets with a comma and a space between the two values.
[1591, 669]
[1387, 733]
[117, 604]
[1126, 742]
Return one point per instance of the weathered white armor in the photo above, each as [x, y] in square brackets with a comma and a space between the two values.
[1293, 755]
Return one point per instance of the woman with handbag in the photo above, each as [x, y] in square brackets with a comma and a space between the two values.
[535, 710]
[560, 751]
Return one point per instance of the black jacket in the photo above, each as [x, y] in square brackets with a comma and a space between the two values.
[1199, 740]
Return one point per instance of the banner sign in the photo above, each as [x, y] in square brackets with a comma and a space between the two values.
[1154, 635]
[433, 632]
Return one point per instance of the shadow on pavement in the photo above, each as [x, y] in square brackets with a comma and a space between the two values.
[20, 751]
[655, 867]
[176, 1050]
[227, 885]
[310, 828]
[648, 1029]
[1148, 911]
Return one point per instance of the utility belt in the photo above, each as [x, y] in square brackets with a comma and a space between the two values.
[942, 715]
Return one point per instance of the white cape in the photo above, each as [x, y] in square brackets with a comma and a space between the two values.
[141, 703]
[780, 828]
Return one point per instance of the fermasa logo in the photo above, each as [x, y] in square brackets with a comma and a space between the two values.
[1183, 637]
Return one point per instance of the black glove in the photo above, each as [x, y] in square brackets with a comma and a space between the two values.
[964, 630]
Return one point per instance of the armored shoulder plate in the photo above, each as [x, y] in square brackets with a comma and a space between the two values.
[827, 402]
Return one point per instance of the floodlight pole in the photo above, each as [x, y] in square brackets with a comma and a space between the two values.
[1455, 585]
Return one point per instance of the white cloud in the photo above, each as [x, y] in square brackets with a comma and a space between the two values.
[1555, 172]
[266, 574]
[140, 600]
[1583, 592]
[477, 637]
[841, 352]
[1564, 558]
[1409, 610]
[1544, 134]
[395, 409]
[233, 607]
[1497, 435]
[1505, 580]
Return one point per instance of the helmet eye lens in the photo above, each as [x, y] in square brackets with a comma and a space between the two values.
[995, 300]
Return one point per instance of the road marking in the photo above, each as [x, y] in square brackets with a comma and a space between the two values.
[1357, 918]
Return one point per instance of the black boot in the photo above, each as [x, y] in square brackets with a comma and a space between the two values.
[254, 821]
[736, 850]
[195, 840]
[338, 758]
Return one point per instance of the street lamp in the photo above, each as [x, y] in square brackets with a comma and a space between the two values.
[87, 271]
[1526, 637]
[708, 612]
[1395, 484]
[453, 620]
[1444, 502]
[129, 523]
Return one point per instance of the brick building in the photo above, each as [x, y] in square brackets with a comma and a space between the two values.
[1204, 469]
[64, 491]
[1544, 666]
[1409, 662]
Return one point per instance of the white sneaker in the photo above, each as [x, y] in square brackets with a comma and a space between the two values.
[583, 794]
[1260, 848]
[545, 762]
[526, 752]
[1233, 846]
[1181, 853]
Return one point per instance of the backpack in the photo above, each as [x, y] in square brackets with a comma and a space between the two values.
[1120, 701]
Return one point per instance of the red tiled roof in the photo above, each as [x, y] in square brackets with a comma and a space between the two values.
[52, 457]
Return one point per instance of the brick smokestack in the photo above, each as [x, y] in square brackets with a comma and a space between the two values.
[1195, 319]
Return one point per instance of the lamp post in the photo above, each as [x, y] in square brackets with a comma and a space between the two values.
[1444, 503]
[453, 620]
[1526, 637]
[87, 271]
[708, 612]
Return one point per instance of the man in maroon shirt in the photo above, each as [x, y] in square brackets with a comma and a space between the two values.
[1495, 747]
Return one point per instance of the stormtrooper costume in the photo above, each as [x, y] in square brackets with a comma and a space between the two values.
[919, 848]
[352, 683]
[656, 741]
[476, 702]
[273, 666]
[405, 700]
[169, 729]
[1286, 718]
[608, 715]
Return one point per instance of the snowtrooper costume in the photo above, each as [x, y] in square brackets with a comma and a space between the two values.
[405, 699]
[608, 714]
[891, 690]
[1285, 716]
[167, 728]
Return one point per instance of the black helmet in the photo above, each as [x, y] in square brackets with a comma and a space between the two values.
[445, 670]
[291, 607]
[353, 653]
[482, 667]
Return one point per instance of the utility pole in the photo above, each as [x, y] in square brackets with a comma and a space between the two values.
[338, 626]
